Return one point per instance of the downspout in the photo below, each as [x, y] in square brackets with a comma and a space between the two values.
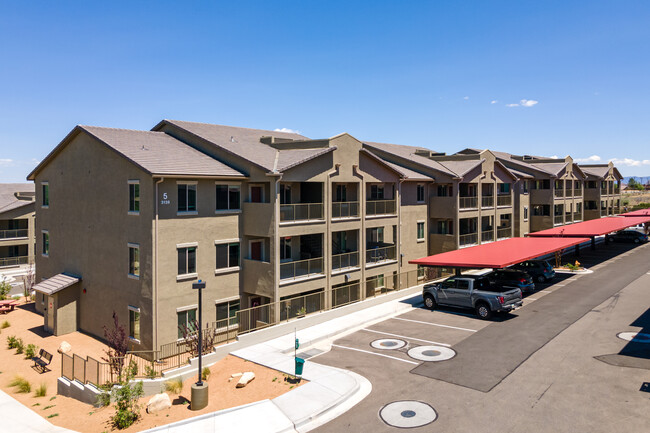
[155, 280]
[398, 241]
[362, 236]
[276, 242]
[327, 203]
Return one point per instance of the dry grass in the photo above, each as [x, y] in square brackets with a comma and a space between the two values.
[21, 385]
[174, 386]
[41, 391]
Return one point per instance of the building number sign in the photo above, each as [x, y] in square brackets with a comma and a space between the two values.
[164, 200]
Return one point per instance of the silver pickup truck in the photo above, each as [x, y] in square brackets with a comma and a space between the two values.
[472, 291]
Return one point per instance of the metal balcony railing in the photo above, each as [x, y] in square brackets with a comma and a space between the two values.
[301, 268]
[15, 233]
[558, 219]
[487, 236]
[301, 212]
[380, 254]
[559, 192]
[504, 232]
[577, 216]
[14, 261]
[468, 239]
[487, 201]
[603, 191]
[345, 209]
[504, 200]
[381, 207]
[468, 202]
[345, 260]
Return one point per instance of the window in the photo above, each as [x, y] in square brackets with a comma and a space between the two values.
[376, 235]
[228, 197]
[376, 282]
[445, 227]
[46, 243]
[420, 231]
[257, 193]
[186, 260]
[541, 210]
[186, 320]
[285, 248]
[134, 196]
[376, 192]
[525, 213]
[504, 188]
[285, 194]
[46, 194]
[445, 190]
[227, 255]
[591, 184]
[463, 285]
[227, 311]
[420, 193]
[134, 260]
[543, 184]
[187, 197]
[524, 185]
[341, 193]
[257, 250]
[134, 323]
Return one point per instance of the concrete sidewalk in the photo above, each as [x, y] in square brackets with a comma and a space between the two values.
[17, 418]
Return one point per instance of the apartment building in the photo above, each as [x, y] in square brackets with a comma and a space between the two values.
[16, 225]
[602, 190]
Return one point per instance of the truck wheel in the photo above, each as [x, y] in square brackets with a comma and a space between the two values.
[483, 311]
[541, 279]
[429, 302]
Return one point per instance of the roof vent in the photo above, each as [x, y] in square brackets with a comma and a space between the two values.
[528, 157]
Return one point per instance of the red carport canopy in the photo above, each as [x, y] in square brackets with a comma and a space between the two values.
[591, 228]
[637, 213]
[499, 254]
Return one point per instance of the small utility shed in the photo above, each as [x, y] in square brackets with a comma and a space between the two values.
[61, 294]
[499, 254]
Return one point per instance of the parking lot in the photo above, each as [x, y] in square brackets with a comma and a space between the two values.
[553, 365]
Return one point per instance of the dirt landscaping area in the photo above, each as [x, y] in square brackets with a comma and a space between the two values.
[66, 412]
[634, 198]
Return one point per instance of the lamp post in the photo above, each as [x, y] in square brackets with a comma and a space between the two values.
[200, 389]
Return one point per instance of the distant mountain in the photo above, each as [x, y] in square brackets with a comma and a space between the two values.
[640, 179]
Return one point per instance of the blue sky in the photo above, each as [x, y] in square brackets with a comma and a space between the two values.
[550, 78]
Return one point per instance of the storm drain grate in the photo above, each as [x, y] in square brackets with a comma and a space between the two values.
[388, 344]
[407, 414]
[431, 353]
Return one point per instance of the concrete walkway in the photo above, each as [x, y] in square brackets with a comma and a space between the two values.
[17, 418]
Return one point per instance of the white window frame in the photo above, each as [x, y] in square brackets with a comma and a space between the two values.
[43, 253]
[228, 301]
[424, 194]
[191, 275]
[134, 182]
[526, 213]
[135, 310]
[45, 183]
[184, 309]
[229, 185]
[136, 246]
[230, 268]
[424, 230]
[188, 212]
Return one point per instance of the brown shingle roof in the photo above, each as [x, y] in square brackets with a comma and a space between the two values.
[8, 199]
[408, 152]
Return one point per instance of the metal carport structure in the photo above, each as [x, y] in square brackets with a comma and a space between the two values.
[637, 213]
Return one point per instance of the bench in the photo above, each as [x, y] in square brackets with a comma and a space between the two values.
[42, 360]
[4, 309]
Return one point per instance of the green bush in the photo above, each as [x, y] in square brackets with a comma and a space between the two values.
[5, 324]
[104, 398]
[174, 385]
[5, 288]
[127, 408]
[205, 373]
[41, 391]
[11, 342]
[22, 385]
[20, 347]
[30, 351]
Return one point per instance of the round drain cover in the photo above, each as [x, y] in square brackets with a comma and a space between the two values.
[636, 337]
[407, 414]
[431, 353]
[388, 344]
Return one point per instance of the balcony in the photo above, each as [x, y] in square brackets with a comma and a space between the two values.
[301, 269]
[577, 216]
[468, 202]
[504, 232]
[558, 192]
[603, 191]
[504, 200]
[468, 239]
[381, 207]
[301, 212]
[487, 201]
[13, 234]
[380, 254]
[558, 220]
[345, 209]
[487, 236]
[345, 261]
[14, 261]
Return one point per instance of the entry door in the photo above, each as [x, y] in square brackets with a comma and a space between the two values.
[256, 250]
[257, 194]
[49, 314]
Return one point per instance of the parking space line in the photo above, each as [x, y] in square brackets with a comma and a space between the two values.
[407, 338]
[378, 354]
[545, 291]
[435, 324]
[530, 299]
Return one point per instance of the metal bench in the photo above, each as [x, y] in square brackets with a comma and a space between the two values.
[42, 360]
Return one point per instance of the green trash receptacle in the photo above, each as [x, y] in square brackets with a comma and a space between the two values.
[299, 364]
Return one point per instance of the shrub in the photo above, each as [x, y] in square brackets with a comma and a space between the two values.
[127, 408]
[30, 351]
[22, 385]
[41, 391]
[11, 342]
[132, 369]
[5, 324]
[118, 344]
[20, 347]
[571, 267]
[53, 415]
[150, 371]
[174, 385]
[104, 398]
[205, 373]
[5, 288]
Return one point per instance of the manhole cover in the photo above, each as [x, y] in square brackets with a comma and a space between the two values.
[388, 343]
[407, 414]
[636, 337]
[431, 353]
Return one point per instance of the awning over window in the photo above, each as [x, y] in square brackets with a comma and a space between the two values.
[55, 284]
[499, 254]
[591, 228]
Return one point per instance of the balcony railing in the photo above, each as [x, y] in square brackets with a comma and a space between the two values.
[14, 261]
[577, 192]
[301, 268]
[487, 236]
[558, 219]
[15, 233]
[504, 232]
[603, 191]
[558, 192]
[468, 239]
[345, 209]
[381, 207]
[468, 202]
[380, 254]
[345, 260]
[487, 201]
[577, 216]
[504, 200]
[301, 212]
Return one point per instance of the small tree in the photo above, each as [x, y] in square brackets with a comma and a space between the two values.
[118, 343]
[5, 288]
[126, 396]
[191, 338]
[28, 280]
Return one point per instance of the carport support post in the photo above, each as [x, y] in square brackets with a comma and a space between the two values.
[578, 250]
[457, 272]
[593, 242]
[606, 239]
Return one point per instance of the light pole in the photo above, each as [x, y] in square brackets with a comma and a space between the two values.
[200, 389]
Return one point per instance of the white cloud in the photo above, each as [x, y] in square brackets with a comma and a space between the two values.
[292, 131]
[494, 101]
[6, 162]
[592, 158]
[630, 162]
[524, 103]
[466, 98]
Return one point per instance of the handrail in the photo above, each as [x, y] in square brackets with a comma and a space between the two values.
[504, 232]
[468, 239]
[504, 200]
[301, 268]
[380, 254]
[14, 233]
[487, 235]
[468, 202]
[345, 260]
[14, 261]
[381, 207]
[301, 212]
[487, 201]
[345, 209]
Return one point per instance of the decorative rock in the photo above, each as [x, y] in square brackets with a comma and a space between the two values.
[158, 403]
[64, 347]
[245, 379]
[236, 374]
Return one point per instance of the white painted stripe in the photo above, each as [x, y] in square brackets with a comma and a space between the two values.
[377, 354]
[530, 299]
[435, 324]
[406, 338]
[544, 291]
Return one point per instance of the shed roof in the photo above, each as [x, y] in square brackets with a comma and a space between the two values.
[591, 228]
[499, 254]
[56, 284]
